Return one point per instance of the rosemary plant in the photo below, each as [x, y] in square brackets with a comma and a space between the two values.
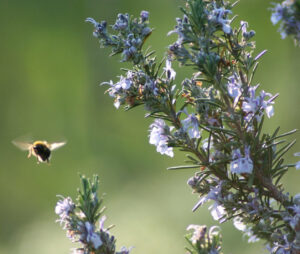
[287, 14]
[84, 221]
[216, 116]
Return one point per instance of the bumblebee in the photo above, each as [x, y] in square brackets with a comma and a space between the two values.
[40, 149]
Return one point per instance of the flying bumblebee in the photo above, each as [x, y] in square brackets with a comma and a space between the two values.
[40, 149]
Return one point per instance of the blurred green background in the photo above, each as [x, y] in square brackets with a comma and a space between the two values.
[50, 71]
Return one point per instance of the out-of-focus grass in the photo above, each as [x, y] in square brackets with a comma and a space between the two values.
[50, 68]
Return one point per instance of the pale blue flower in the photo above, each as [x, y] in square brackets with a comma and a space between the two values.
[205, 144]
[100, 28]
[297, 165]
[89, 235]
[277, 14]
[215, 193]
[159, 137]
[198, 234]
[118, 90]
[124, 250]
[294, 220]
[238, 223]
[297, 199]
[78, 251]
[146, 31]
[181, 29]
[144, 15]
[251, 237]
[170, 73]
[250, 103]
[270, 111]
[253, 105]
[247, 35]
[101, 223]
[131, 45]
[217, 15]
[117, 102]
[287, 14]
[244, 26]
[241, 165]
[151, 85]
[121, 22]
[279, 248]
[218, 212]
[125, 83]
[234, 88]
[191, 126]
[64, 208]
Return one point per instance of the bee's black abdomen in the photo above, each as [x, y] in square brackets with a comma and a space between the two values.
[42, 151]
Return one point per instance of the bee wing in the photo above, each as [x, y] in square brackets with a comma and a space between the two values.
[57, 145]
[22, 145]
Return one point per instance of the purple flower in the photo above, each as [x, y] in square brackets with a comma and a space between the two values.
[287, 14]
[151, 86]
[198, 234]
[64, 208]
[297, 165]
[101, 223]
[117, 102]
[159, 137]
[277, 14]
[297, 199]
[218, 15]
[238, 223]
[100, 28]
[234, 88]
[118, 90]
[218, 212]
[253, 105]
[144, 15]
[191, 126]
[293, 220]
[241, 165]
[119, 87]
[89, 235]
[78, 251]
[124, 250]
[247, 35]
[181, 29]
[170, 73]
[121, 22]
[279, 248]
[125, 83]
[214, 194]
[131, 45]
[193, 181]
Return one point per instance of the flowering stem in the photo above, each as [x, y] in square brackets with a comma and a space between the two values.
[240, 167]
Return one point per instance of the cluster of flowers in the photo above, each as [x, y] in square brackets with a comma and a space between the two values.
[131, 36]
[288, 14]
[203, 240]
[251, 216]
[79, 220]
[217, 117]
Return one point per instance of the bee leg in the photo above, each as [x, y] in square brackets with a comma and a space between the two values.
[38, 160]
[30, 153]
